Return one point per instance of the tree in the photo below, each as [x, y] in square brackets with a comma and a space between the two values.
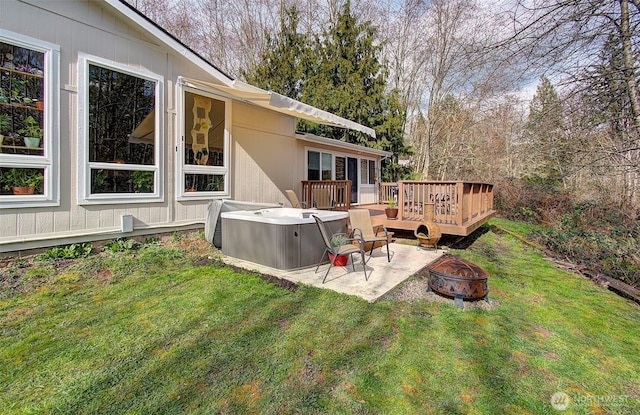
[452, 130]
[592, 46]
[283, 67]
[338, 72]
[568, 36]
[350, 80]
[545, 135]
[605, 112]
[439, 49]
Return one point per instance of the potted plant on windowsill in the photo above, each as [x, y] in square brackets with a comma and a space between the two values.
[4, 96]
[32, 132]
[392, 209]
[142, 181]
[337, 241]
[22, 181]
[5, 126]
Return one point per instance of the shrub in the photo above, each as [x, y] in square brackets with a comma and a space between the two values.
[602, 238]
[77, 250]
[531, 201]
[122, 245]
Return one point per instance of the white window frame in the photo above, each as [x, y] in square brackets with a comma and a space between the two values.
[85, 166]
[183, 169]
[362, 178]
[50, 159]
[333, 155]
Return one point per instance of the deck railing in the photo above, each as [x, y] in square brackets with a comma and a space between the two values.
[454, 202]
[327, 194]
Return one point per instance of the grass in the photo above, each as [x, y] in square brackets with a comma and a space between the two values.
[156, 331]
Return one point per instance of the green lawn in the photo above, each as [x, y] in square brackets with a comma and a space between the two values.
[155, 332]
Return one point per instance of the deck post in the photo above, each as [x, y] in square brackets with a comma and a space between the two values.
[461, 203]
[400, 200]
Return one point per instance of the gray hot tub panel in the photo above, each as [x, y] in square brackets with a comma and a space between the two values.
[276, 245]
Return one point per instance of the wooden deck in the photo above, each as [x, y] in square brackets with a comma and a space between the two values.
[459, 207]
[378, 217]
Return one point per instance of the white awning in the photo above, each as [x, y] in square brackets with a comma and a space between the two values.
[144, 133]
[279, 103]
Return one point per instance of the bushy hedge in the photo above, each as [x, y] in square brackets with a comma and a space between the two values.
[604, 239]
[531, 201]
[596, 234]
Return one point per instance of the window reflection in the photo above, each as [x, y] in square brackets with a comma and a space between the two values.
[121, 117]
[204, 130]
[204, 182]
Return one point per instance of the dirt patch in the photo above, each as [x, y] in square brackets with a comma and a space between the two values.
[204, 261]
[104, 276]
[542, 332]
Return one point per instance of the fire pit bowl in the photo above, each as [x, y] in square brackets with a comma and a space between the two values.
[462, 280]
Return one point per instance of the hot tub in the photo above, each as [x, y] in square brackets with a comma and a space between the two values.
[281, 238]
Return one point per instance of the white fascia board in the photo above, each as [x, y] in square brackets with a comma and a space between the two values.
[343, 145]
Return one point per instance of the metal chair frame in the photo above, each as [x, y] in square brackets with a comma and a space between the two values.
[345, 248]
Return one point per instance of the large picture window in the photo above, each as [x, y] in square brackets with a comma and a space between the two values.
[28, 143]
[204, 154]
[121, 139]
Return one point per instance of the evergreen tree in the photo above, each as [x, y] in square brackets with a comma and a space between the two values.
[349, 80]
[283, 66]
[609, 110]
[340, 73]
[546, 134]
[608, 94]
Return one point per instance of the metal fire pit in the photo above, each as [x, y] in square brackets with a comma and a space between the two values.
[462, 280]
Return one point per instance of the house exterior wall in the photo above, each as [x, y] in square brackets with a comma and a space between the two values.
[266, 158]
[93, 28]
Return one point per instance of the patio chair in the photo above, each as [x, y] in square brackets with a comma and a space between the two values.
[295, 203]
[322, 199]
[347, 247]
[363, 229]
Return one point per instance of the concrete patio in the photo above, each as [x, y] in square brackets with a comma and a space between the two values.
[383, 276]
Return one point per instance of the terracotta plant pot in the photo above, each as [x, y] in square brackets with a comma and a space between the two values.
[340, 260]
[391, 213]
[22, 190]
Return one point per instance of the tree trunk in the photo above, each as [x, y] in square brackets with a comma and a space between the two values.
[629, 70]
[634, 95]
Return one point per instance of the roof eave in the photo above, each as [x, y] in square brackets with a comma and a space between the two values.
[312, 138]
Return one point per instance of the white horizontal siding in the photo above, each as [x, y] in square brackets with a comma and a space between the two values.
[87, 27]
